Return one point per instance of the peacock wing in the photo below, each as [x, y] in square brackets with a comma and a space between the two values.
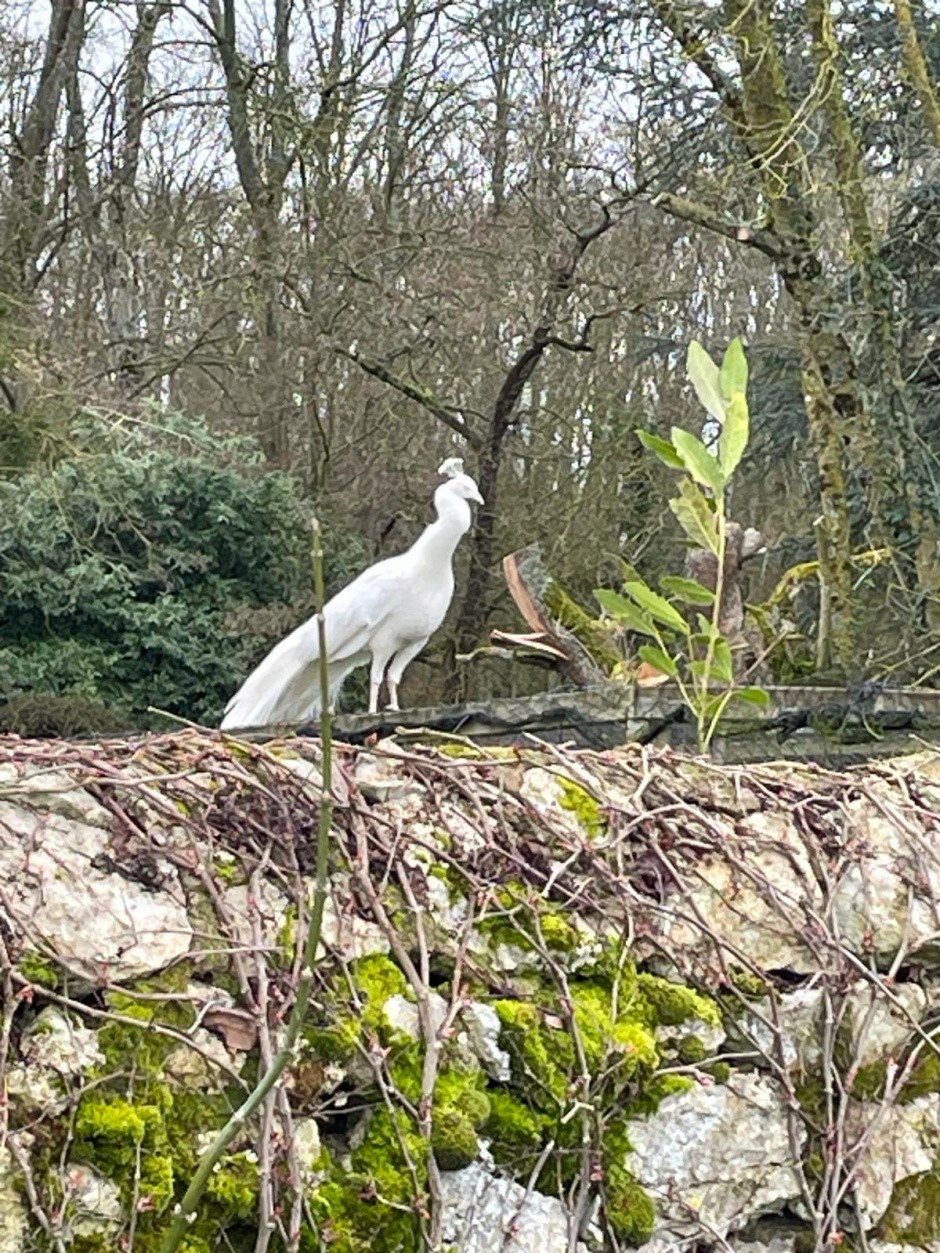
[285, 685]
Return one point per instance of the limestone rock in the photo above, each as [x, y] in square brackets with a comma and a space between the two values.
[477, 1040]
[347, 933]
[307, 1148]
[53, 1050]
[13, 1216]
[92, 1202]
[787, 1029]
[899, 1141]
[447, 912]
[720, 1154]
[487, 1213]
[878, 1027]
[751, 896]
[55, 854]
[545, 792]
[402, 1013]
[380, 778]
[252, 916]
[482, 1026]
[873, 906]
[202, 1068]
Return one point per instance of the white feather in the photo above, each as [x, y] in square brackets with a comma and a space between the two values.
[386, 615]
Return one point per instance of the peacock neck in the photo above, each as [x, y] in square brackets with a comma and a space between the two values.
[438, 541]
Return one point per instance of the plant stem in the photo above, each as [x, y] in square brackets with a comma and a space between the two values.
[185, 1212]
[705, 735]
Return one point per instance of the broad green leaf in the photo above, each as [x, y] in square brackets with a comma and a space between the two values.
[734, 434]
[624, 611]
[704, 376]
[659, 660]
[721, 662]
[753, 695]
[711, 706]
[698, 461]
[733, 374]
[661, 447]
[695, 516]
[706, 627]
[687, 590]
[627, 571]
[657, 606]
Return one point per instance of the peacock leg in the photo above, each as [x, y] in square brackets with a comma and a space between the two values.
[397, 668]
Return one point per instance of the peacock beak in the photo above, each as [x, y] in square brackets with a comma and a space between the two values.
[477, 497]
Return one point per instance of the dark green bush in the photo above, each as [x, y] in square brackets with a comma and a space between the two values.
[152, 567]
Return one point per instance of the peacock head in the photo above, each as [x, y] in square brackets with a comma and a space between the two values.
[458, 483]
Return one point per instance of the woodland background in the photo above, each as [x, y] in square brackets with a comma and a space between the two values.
[265, 260]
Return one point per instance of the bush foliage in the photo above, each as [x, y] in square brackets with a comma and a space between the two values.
[152, 567]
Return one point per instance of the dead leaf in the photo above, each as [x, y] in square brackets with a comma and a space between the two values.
[238, 1028]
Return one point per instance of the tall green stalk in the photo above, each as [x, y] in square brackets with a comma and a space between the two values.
[184, 1214]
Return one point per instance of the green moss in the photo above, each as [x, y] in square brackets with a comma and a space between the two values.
[378, 978]
[558, 934]
[923, 1079]
[628, 1208]
[227, 868]
[868, 1083]
[287, 933]
[629, 1211]
[590, 632]
[463, 1090]
[513, 1127]
[369, 1200]
[453, 1139]
[148, 1150]
[335, 1032]
[336, 1042]
[602, 1035]
[750, 986]
[140, 1132]
[913, 1217]
[470, 752]
[234, 1185]
[39, 970]
[656, 1088]
[690, 1050]
[113, 1135]
[541, 1055]
[672, 1004]
[524, 919]
[578, 801]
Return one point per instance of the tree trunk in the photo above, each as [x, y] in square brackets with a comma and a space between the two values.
[918, 71]
[475, 608]
[262, 181]
[885, 450]
[25, 211]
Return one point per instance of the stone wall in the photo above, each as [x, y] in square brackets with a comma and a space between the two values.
[564, 1000]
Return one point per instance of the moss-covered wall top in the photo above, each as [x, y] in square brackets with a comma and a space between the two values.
[563, 1000]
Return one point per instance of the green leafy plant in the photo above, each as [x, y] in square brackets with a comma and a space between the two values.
[687, 644]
